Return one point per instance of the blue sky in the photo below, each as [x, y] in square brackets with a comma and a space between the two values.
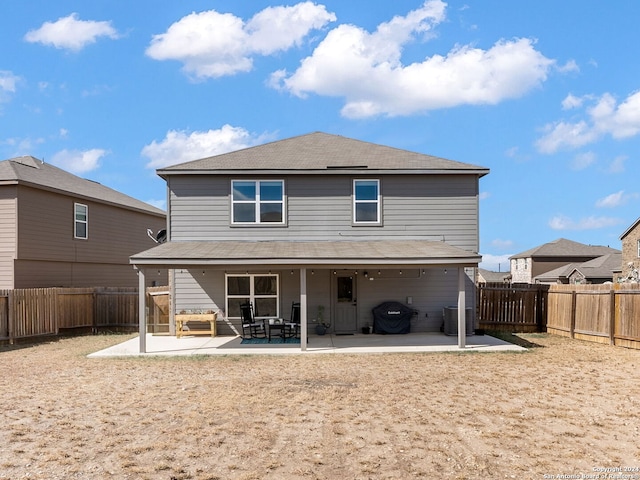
[546, 94]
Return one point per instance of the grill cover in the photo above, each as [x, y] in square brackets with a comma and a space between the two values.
[392, 317]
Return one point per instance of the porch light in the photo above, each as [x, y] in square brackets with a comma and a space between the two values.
[334, 272]
[366, 274]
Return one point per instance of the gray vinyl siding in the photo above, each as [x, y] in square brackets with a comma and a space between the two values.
[7, 235]
[431, 291]
[49, 255]
[320, 207]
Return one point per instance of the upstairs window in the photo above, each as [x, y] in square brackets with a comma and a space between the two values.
[81, 221]
[366, 201]
[257, 201]
[638, 248]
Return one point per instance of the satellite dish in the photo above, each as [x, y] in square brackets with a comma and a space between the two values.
[159, 237]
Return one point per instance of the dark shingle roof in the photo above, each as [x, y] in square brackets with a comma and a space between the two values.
[492, 277]
[33, 172]
[598, 268]
[324, 152]
[565, 248]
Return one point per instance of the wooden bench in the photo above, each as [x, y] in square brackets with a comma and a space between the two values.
[201, 318]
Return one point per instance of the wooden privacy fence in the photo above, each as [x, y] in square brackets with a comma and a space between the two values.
[46, 311]
[596, 313]
[512, 307]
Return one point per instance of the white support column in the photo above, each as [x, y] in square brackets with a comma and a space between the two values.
[462, 311]
[142, 310]
[303, 309]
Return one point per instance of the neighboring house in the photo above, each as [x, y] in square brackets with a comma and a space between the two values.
[598, 270]
[57, 229]
[630, 253]
[488, 276]
[532, 263]
[337, 224]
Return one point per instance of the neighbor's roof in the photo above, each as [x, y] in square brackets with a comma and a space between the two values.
[35, 173]
[565, 248]
[301, 253]
[491, 276]
[600, 267]
[322, 152]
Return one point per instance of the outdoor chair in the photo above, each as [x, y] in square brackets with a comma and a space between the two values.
[292, 326]
[251, 328]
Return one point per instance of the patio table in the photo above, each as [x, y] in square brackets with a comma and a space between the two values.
[276, 324]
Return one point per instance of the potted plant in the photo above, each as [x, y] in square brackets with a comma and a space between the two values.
[322, 326]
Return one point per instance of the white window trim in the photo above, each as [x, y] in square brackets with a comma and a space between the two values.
[257, 202]
[252, 294]
[378, 202]
[638, 248]
[76, 221]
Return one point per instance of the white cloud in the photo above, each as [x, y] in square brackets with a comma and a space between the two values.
[583, 160]
[495, 263]
[610, 201]
[617, 165]
[616, 199]
[571, 101]
[22, 146]
[501, 244]
[366, 69]
[604, 117]
[70, 33]
[179, 147]
[212, 44]
[561, 222]
[78, 161]
[8, 82]
[484, 195]
[569, 67]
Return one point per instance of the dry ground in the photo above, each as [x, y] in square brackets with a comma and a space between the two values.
[563, 408]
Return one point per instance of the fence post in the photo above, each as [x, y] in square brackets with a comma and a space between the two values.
[573, 314]
[10, 317]
[612, 317]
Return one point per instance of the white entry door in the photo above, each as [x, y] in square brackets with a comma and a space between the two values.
[345, 320]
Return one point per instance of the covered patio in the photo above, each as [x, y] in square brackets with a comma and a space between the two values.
[163, 345]
[305, 258]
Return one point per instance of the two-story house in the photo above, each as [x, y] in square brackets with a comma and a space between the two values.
[533, 263]
[630, 254]
[60, 230]
[336, 224]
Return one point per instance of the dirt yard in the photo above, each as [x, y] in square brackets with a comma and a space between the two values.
[562, 408]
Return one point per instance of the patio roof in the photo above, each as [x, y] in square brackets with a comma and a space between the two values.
[306, 253]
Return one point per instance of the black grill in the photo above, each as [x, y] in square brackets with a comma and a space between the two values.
[392, 317]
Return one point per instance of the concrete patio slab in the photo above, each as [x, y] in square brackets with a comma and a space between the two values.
[163, 345]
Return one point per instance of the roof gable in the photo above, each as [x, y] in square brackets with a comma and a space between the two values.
[324, 152]
[38, 174]
[630, 229]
